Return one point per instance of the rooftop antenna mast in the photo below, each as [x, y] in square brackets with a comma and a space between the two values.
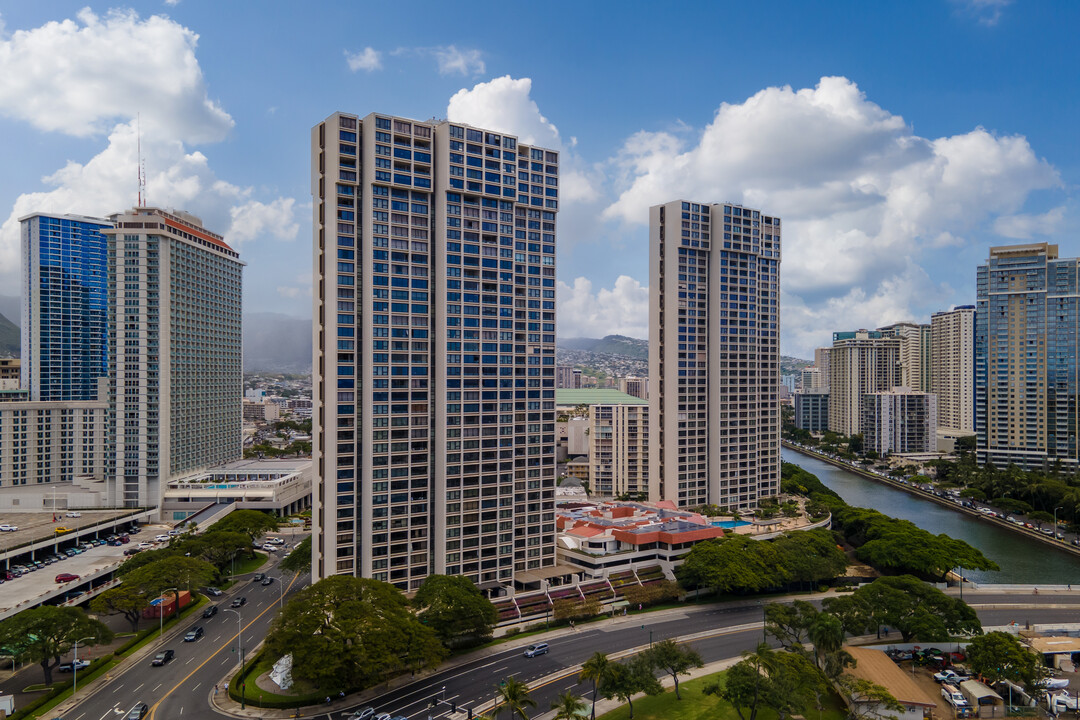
[141, 167]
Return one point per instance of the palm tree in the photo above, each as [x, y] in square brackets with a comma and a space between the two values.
[595, 669]
[513, 695]
[568, 707]
[826, 632]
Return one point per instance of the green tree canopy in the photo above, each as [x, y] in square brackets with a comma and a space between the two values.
[917, 610]
[123, 600]
[568, 707]
[629, 678]
[44, 634]
[595, 670]
[513, 695]
[789, 622]
[179, 572]
[217, 547]
[786, 682]
[299, 560]
[674, 659]
[1000, 656]
[348, 632]
[455, 609]
[252, 523]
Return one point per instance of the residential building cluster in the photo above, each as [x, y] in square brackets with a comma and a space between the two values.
[1002, 370]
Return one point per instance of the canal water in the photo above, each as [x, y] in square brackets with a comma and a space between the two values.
[1022, 560]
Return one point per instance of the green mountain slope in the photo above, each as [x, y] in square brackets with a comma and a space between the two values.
[10, 338]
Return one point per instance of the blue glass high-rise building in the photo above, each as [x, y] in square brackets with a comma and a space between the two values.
[1026, 346]
[65, 306]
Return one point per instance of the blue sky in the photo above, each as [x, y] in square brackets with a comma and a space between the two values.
[897, 140]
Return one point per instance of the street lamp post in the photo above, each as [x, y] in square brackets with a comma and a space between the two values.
[75, 666]
[161, 611]
[1059, 507]
[240, 645]
[279, 590]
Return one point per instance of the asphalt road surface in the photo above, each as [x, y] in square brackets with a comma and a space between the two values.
[182, 688]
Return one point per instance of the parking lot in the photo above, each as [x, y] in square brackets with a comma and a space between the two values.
[35, 526]
[40, 585]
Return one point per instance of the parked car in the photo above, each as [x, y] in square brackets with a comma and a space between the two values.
[132, 551]
[161, 538]
[66, 577]
[125, 538]
[1063, 702]
[174, 533]
[210, 611]
[73, 514]
[138, 712]
[193, 634]
[238, 602]
[951, 677]
[162, 657]
[145, 545]
[8, 528]
[72, 666]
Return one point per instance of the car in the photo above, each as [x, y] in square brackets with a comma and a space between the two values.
[161, 538]
[275, 541]
[138, 712]
[383, 716]
[537, 649]
[132, 551]
[145, 545]
[951, 677]
[269, 548]
[114, 543]
[268, 580]
[210, 611]
[66, 577]
[1064, 701]
[162, 657]
[8, 528]
[174, 533]
[400, 717]
[70, 552]
[193, 634]
[125, 538]
[238, 602]
[73, 514]
[61, 529]
[362, 714]
[212, 591]
[258, 576]
[71, 666]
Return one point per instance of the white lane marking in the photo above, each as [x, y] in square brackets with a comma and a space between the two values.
[192, 690]
[189, 660]
[156, 687]
[500, 669]
[140, 685]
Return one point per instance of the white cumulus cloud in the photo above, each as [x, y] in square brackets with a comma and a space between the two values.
[367, 59]
[255, 219]
[79, 77]
[452, 59]
[620, 310]
[505, 104]
[1024, 226]
[93, 76]
[861, 195]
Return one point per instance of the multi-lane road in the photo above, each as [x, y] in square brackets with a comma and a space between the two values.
[184, 687]
[723, 632]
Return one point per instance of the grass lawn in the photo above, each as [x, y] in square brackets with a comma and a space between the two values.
[696, 705]
[246, 564]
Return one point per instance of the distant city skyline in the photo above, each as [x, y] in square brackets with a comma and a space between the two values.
[896, 165]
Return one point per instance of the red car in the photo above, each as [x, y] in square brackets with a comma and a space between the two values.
[66, 577]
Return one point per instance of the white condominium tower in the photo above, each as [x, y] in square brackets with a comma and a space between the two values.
[175, 351]
[434, 351]
[952, 376]
[714, 300]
